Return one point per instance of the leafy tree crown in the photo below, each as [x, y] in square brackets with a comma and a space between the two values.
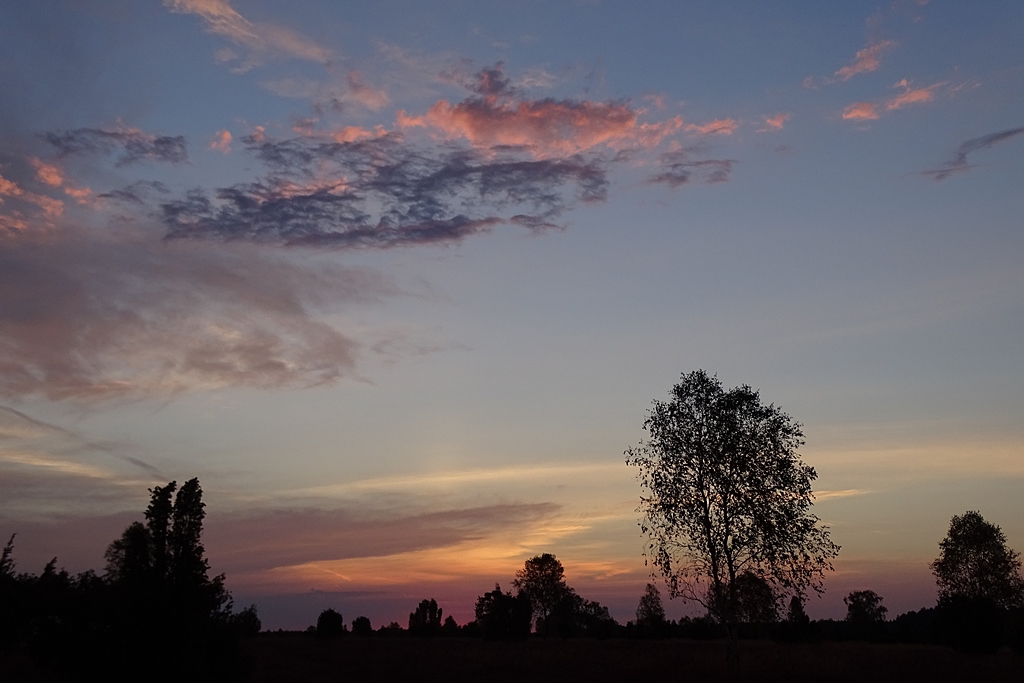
[725, 495]
[975, 562]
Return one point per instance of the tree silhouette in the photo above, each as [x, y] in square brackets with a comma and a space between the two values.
[796, 614]
[247, 622]
[865, 615]
[726, 494]
[864, 607]
[974, 562]
[650, 613]
[502, 616]
[155, 612]
[756, 602]
[361, 627]
[426, 620]
[979, 581]
[330, 624]
[542, 580]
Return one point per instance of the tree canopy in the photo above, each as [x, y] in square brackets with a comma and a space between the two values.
[542, 580]
[974, 562]
[725, 495]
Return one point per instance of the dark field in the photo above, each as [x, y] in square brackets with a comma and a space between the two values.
[281, 658]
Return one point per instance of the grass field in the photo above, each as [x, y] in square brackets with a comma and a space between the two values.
[283, 658]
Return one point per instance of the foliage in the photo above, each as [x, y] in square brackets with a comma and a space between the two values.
[502, 616]
[725, 494]
[247, 622]
[796, 614]
[864, 607]
[361, 627]
[974, 562]
[756, 602]
[542, 580]
[650, 613]
[426, 620]
[330, 624]
[155, 604]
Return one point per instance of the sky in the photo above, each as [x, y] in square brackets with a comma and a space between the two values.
[399, 281]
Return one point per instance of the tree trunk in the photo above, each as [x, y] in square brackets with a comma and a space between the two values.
[732, 649]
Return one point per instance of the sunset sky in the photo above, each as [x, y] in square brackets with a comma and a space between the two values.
[398, 281]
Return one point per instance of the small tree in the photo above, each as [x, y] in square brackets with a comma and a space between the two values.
[796, 615]
[330, 624]
[974, 562]
[725, 494]
[864, 608]
[542, 580]
[247, 622]
[650, 613]
[361, 626]
[756, 601]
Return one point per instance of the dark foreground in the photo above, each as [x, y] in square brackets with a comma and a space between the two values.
[298, 658]
[281, 658]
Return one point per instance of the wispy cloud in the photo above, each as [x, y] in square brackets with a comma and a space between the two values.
[911, 95]
[861, 111]
[684, 166]
[959, 163]
[262, 40]
[364, 94]
[288, 537]
[133, 144]
[842, 493]
[87, 319]
[866, 60]
[716, 127]
[773, 124]
[41, 428]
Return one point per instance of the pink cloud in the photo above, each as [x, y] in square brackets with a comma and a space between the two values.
[774, 123]
[866, 60]
[82, 195]
[307, 128]
[912, 95]
[265, 39]
[51, 175]
[716, 127]
[221, 141]
[12, 224]
[353, 133]
[51, 208]
[565, 126]
[860, 111]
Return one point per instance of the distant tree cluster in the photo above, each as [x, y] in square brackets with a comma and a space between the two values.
[155, 603]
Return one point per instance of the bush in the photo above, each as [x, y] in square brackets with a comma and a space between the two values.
[330, 624]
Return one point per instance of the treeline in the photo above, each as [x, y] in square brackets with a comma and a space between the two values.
[980, 606]
[543, 602]
[974, 626]
[154, 614]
